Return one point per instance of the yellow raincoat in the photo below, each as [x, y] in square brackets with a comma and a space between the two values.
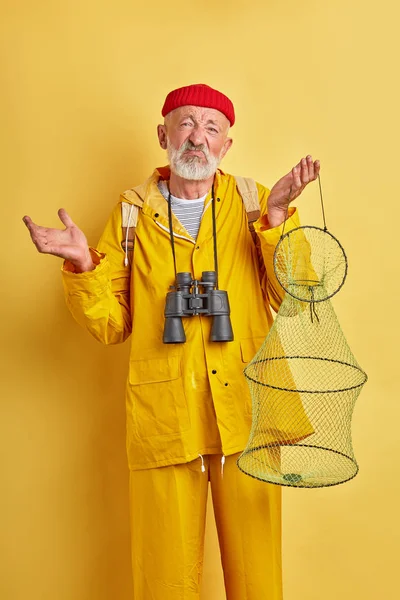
[182, 399]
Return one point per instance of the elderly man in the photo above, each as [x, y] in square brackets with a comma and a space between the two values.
[188, 405]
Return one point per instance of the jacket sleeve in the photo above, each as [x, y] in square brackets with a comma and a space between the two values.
[99, 300]
[268, 237]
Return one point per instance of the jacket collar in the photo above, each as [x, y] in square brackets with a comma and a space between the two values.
[154, 202]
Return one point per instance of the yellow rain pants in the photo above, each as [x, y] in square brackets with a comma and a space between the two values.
[168, 510]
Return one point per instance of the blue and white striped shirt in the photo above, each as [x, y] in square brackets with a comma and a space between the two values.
[189, 212]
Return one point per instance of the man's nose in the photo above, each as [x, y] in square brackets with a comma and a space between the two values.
[197, 136]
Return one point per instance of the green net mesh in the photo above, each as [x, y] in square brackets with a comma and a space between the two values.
[304, 380]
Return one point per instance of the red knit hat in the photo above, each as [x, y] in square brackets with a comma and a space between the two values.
[199, 95]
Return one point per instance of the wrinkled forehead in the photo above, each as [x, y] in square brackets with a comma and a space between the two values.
[198, 114]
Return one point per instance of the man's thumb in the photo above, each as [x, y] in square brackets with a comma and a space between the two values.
[65, 218]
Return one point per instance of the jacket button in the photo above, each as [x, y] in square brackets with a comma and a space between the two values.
[197, 247]
[156, 215]
[213, 371]
[227, 384]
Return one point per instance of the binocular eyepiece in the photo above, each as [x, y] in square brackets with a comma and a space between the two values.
[186, 300]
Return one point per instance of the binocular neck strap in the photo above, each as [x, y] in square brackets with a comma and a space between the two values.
[214, 220]
[171, 234]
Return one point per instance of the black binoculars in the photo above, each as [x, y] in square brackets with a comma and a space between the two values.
[186, 301]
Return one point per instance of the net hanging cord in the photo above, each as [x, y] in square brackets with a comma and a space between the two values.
[322, 207]
[322, 202]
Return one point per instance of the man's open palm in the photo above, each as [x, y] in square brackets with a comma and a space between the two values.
[69, 243]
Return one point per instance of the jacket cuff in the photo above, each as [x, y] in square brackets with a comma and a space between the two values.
[270, 236]
[89, 282]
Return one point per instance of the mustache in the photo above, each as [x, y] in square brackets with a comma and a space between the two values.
[188, 145]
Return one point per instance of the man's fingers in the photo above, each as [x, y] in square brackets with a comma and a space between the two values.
[29, 223]
[36, 231]
[310, 167]
[296, 177]
[308, 170]
[38, 234]
[65, 218]
[304, 171]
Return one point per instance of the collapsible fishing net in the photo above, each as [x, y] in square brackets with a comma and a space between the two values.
[304, 380]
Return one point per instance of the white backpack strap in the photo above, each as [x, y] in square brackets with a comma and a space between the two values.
[247, 188]
[129, 219]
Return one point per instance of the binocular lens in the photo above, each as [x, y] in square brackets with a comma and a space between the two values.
[221, 330]
[174, 332]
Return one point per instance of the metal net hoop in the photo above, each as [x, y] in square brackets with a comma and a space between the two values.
[334, 376]
[259, 463]
[304, 246]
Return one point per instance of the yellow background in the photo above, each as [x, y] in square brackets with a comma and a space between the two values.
[82, 86]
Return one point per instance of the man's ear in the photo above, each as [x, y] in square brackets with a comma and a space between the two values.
[162, 136]
[227, 144]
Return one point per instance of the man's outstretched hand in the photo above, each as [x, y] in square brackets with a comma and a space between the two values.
[290, 187]
[69, 243]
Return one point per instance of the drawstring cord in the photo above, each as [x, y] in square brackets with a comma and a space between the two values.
[126, 259]
[203, 469]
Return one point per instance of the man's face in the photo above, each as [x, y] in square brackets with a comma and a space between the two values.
[196, 140]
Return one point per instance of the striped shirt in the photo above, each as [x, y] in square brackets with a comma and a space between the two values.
[188, 212]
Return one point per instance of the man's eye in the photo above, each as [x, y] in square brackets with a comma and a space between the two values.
[213, 130]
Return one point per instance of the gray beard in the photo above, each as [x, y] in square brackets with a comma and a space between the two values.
[191, 168]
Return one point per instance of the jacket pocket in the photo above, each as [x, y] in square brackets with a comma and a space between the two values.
[159, 406]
